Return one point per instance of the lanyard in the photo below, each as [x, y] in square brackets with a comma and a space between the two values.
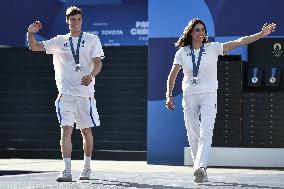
[75, 55]
[196, 66]
[273, 72]
[255, 72]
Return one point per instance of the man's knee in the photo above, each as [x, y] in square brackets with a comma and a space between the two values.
[86, 131]
[66, 132]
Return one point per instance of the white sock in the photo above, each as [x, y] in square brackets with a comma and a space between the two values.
[87, 162]
[67, 164]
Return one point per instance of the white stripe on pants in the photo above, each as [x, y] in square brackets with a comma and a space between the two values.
[200, 132]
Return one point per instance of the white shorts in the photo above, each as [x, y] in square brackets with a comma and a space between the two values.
[79, 110]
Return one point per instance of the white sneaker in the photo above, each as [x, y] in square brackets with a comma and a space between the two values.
[85, 174]
[64, 176]
[199, 175]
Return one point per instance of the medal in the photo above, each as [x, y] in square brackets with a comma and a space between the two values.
[272, 78]
[194, 80]
[77, 67]
[254, 80]
[195, 67]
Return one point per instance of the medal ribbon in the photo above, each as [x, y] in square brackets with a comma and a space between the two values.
[196, 66]
[75, 55]
[273, 72]
[255, 72]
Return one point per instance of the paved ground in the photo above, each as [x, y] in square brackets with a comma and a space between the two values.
[131, 175]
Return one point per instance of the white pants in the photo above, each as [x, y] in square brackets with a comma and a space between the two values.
[200, 131]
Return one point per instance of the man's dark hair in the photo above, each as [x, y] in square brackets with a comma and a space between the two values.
[71, 11]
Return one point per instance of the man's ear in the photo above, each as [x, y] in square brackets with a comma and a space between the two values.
[67, 21]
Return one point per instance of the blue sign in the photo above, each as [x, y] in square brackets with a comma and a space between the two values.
[116, 22]
[118, 25]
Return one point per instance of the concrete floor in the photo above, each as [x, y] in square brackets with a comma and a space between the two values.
[131, 174]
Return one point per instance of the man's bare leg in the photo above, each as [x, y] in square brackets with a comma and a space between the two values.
[65, 142]
[66, 150]
[87, 141]
[88, 149]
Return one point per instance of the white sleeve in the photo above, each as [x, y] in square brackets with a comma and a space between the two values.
[218, 48]
[51, 45]
[177, 59]
[97, 50]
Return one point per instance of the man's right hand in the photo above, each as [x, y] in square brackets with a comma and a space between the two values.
[170, 104]
[35, 27]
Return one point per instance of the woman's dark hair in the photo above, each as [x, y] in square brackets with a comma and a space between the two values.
[186, 38]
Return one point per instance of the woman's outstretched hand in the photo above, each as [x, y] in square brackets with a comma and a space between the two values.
[268, 29]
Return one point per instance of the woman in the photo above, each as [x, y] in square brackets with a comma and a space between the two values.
[198, 59]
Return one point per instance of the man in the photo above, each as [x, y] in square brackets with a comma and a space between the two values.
[77, 61]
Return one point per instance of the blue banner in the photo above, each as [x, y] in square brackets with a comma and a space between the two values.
[116, 22]
[116, 25]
